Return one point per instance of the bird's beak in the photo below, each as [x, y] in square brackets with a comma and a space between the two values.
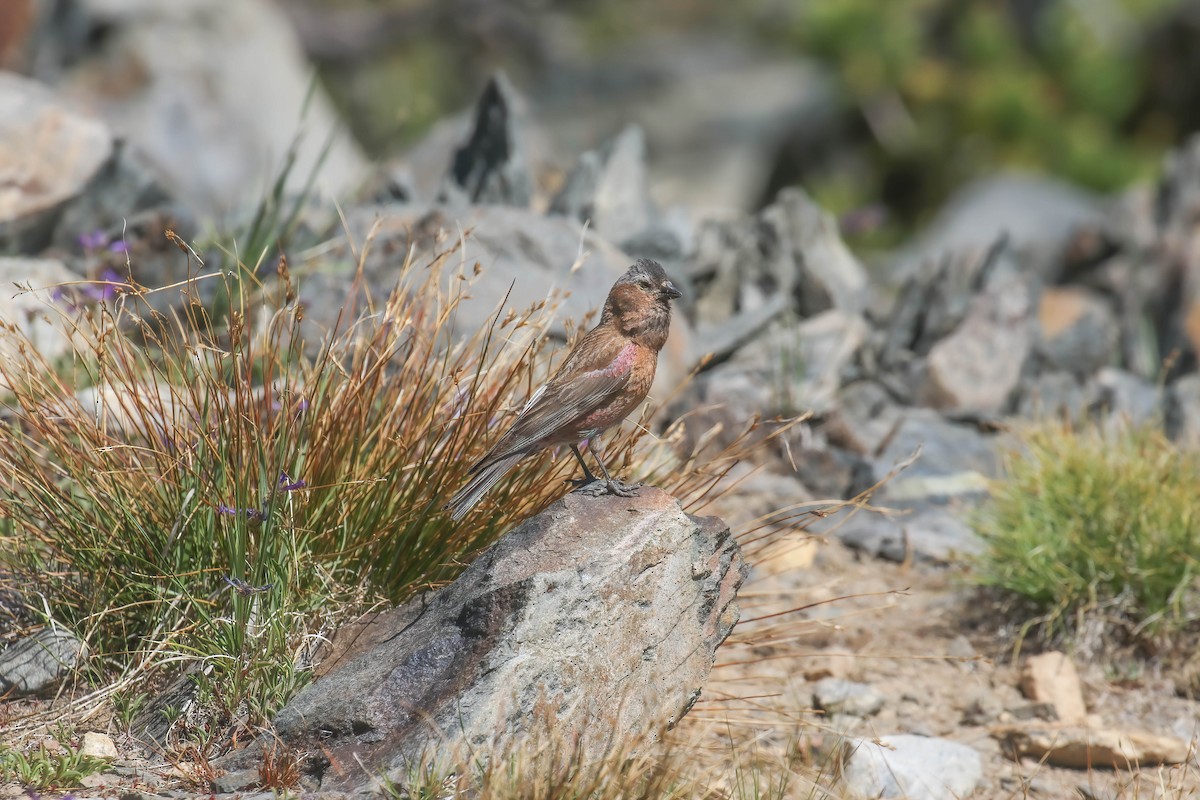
[670, 291]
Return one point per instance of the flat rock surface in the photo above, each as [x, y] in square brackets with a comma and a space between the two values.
[594, 623]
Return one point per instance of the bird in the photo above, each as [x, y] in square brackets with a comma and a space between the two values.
[603, 379]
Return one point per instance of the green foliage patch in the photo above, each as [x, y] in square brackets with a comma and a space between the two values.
[1098, 526]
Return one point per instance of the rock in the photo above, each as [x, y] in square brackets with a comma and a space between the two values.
[491, 167]
[28, 303]
[1182, 412]
[792, 248]
[98, 745]
[714, 142]
[912, 767]
[978, 365]
[594, 623]
[1035, 213]
[608, 187]
[864, 420]
[836, 696]
[34, 665]
[1091, 748]
[794, 367]
[955, 460]
[1051, 678]
[1054, 395]
[829, 274]
[1078, 331]
[1123, 395]
[933, 535]
[218, 140]
[124, 188]
[48, 156]
[238, 780]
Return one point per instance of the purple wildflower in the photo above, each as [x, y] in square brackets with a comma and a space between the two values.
[118, 247]
[93, 241]
[230, 511]
[286, 484]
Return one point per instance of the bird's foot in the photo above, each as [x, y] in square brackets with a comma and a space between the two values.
[599, 487]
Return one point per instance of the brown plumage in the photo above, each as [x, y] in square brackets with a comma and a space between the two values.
[605, 377]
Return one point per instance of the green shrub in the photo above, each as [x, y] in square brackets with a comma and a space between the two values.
[1098, 526]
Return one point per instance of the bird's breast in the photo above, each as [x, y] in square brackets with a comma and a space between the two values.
[640, 363]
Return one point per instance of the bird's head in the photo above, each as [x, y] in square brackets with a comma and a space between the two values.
[640, 303]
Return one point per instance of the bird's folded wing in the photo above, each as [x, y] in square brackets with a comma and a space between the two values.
[555, 406]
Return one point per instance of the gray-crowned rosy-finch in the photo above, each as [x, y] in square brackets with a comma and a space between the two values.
[605, 377]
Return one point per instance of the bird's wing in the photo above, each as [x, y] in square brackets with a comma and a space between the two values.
[567, 397]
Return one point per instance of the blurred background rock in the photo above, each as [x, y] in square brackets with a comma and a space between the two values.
[881, 111]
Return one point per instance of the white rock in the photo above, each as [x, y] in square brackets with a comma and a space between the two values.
[912, 767]
[98, 745]
[28, 304]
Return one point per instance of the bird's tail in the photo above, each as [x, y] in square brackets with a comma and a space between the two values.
[483, 479]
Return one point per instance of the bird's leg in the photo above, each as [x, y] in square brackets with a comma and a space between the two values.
[608, 485]
[588, 477]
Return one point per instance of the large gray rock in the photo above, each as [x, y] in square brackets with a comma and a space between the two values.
[714, 142]
[1035, 213]
[593, 624]
[48, 156]
[172, 80]
[912, 768]
[36, 664]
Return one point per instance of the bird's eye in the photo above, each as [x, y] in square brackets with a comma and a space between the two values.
[645, 283]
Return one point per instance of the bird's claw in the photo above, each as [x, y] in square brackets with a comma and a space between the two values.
[599, 487]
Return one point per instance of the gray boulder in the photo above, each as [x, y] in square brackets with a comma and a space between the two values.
[175, 86]
[36, 664]
[1035, 213]
[593, 624]
[48, 156]
[913, 768]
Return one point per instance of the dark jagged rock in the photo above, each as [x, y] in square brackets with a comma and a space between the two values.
[593, 624]
[491, 166]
